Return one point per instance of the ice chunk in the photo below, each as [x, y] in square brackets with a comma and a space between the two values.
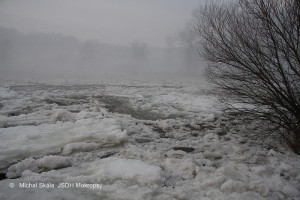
[233, 186]
[271, 153]
[44, 138]
[232, 173]
[16, 170]
[63, 115]
[47, 162]
[212, 155]
[85, 115]
[204, 105]
[285, 167]
[125, 169]
[175, 154]
[248, 195]
[210, 137]
[6, 93]
[184, 168]
[214, 181]
[259, 187]
[54, 162]
[290, 190]
[262, 170]
[80, 146]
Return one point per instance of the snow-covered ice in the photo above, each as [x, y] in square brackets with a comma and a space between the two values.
[138, 139]
[23, 141]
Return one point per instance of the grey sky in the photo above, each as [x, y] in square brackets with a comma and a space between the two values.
[109, 21]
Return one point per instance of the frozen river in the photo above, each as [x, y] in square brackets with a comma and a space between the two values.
[126, 139]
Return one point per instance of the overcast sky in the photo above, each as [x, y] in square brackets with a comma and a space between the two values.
[109, 21]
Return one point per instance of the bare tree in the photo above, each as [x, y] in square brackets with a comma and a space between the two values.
[253, 50]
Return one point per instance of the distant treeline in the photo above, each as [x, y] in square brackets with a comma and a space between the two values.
[39, 54]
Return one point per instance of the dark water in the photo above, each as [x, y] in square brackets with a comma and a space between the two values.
[122, 105]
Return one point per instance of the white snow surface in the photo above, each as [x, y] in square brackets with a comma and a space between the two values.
[139, 139]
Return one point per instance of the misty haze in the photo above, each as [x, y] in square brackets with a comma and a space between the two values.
[136, 99]
[97, 38]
